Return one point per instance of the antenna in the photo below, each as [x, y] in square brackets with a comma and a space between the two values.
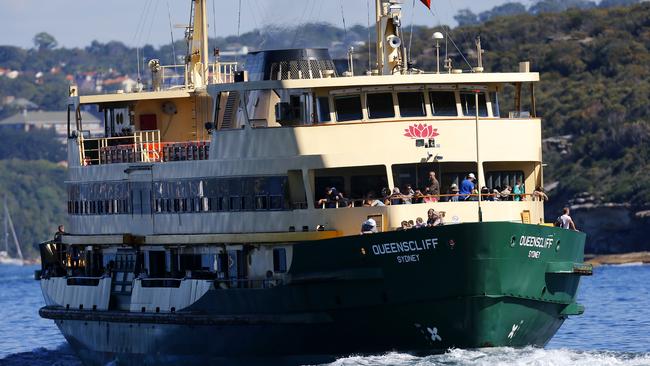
[437, 36]
[351, 61]
[479, 55]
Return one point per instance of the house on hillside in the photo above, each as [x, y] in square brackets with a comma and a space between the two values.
[30, 120]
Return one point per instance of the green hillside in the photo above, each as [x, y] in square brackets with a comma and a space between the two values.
[595, 70]
[36, 198]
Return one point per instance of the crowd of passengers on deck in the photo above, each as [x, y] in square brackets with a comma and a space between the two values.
[468, 191]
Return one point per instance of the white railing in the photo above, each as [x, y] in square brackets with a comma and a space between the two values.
[147, 145]
[223, 72]
[142, 146]
[173, 76]
[177, 75]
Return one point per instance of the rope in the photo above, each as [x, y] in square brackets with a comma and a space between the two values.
[238, 30]
[448, 36]
[171, 33]
[345, 28]
[214, 19]
[369, 53]
[138, 34]
[411, 31]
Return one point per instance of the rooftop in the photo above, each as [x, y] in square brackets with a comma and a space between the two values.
[45, 117]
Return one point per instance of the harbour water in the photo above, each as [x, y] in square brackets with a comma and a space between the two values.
[615, 329]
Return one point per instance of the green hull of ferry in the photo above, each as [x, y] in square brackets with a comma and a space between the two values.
[420, 291]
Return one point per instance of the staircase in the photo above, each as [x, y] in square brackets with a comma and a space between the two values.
[230, 111]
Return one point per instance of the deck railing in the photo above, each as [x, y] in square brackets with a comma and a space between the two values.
[173, 76]
[141, 147]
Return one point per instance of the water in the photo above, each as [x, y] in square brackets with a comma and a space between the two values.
[615, 329]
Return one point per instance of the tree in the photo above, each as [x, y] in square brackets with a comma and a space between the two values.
[612, 3]
[502, 10]
[38, 144]
[557, 6]
[45, 41]
[466, 17]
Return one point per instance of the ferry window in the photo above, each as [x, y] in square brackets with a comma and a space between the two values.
[235, 203]
[500, 179]
[280, 260]
[276, 202]
[247, 203]
[411, 104]
[494, 98]
[380, 105]
[323, 105]
[205, 204]
[348, 108]
[261, 202]
[468, 104]
[443, 103]
[157, 264]
[218, 204]
[222, 264]
[190, 262]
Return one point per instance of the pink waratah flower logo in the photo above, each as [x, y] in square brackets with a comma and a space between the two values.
[421, 131]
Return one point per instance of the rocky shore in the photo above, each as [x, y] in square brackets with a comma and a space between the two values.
[613, 259]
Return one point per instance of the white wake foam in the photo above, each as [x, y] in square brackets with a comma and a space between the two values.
[503, 356]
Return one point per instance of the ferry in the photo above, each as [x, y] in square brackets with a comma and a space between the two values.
[244, 213]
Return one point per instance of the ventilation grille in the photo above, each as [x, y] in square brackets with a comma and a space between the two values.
[303, 69]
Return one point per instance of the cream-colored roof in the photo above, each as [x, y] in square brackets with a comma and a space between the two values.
[130, 97]
[363, 81]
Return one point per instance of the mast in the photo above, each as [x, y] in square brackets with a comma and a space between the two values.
[391, 51]
[13, 231]
[6, 224]
[199, 57]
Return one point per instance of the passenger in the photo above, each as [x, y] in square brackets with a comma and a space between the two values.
[505, 194]
[385, 194]
[419, 223]
[332, 197]
[434, 186]
[453, 191]
[404, 226]
[396, 197]
[418, 197]
[485, 194]
[407, 195]
[518, 191]
[539, 194]
[411, 224]
[343, 201]
[269, 282]
[428, 198]
[432, 218]
[369, 227]
[467, 187]
[60, 231]
[371, 201]
[495, 195]
[565, 221]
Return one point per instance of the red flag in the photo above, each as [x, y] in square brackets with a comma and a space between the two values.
[427, 3]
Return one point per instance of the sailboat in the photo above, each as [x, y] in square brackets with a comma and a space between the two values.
[5, 258]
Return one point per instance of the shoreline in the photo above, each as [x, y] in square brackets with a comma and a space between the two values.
[616, 259]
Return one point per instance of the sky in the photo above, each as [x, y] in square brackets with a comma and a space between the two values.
[76, 23]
